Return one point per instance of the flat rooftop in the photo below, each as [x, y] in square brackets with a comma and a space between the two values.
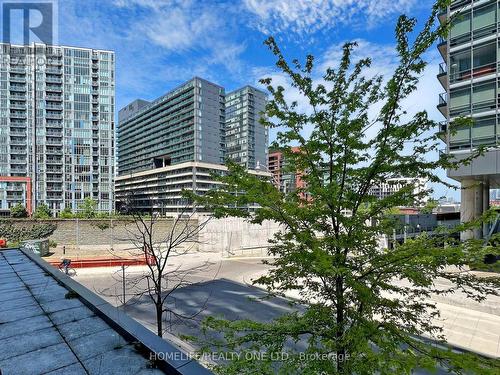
[48, 327]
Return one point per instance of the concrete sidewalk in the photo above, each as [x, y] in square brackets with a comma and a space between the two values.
[464, 323]
[464, 328]
[470, 329]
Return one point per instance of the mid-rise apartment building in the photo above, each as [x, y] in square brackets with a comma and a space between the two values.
[285, 180]
[57, 125]
[246, 138]
[469, 75]
[171, 144]
[160, 189]
[393, 185]
[186, 124]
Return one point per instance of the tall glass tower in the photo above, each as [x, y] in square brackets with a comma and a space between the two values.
[246, 138]
[469, 74]
[57, 108]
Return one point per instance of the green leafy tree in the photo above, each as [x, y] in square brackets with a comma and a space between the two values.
[429, 206]
[15, 233]
[42, 212]
[66, 213]
[18, 211]
[353, 307]
[88, 208]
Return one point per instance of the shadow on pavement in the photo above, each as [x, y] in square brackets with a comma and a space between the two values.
[218, 298]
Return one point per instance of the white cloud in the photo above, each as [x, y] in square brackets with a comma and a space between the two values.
[384, 61]
[178, 26]
[309, 16]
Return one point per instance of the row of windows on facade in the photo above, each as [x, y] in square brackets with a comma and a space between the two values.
[480, 20]
[151, 141]
[474, 62]
[199, 172]
[174, 128]
[146, 152]
[172, 99]
[480, 97]
[186, 126]
[151, 145]
[41, 77]
[68, 97]
[78, 68]
[70, 52]
[169, 186]
[158, 118]
[77, 89]
[484, 131]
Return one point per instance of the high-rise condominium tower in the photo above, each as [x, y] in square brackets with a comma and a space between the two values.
[186, 124]
[171, 144]
[469, 74]
[56, 125]
[246, 138]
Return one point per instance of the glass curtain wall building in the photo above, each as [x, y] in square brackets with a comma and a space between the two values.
[57, 124]
[186, 124]
[469, 74]
[246, 138]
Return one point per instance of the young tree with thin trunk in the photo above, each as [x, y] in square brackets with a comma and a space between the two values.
[364, 308]
[160, 248]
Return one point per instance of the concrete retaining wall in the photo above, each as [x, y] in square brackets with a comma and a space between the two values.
[89, 237]
[235, 237]
[96, 235]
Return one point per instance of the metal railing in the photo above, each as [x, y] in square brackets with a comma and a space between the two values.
[495, 227]
[442, 68]
[17, 97]
[459, 3]
[443, 98]
[53, 88]
[54, 97]
[53, 115]
[52, 70]
[53, 80]
[17, 87]
[17, 79]
[478, 71]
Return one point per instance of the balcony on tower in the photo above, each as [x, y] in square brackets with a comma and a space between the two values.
[442, 75]
[442, 47]
[443, 104]
[442, 130]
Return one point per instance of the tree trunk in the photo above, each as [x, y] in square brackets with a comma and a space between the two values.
[340, 323]
[159, 319]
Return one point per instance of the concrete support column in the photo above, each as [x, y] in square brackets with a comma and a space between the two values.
[486, 205]
[471, 206]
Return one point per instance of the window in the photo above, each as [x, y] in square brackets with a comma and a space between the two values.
[460, 138]
[460, 65]
[459, 101]
[484, 128]
[460, 28]
[484, 59]
[483, 97]
[484, 20]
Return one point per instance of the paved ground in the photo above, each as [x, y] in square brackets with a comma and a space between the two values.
[43, 330]
[224, 289]
[75, 254]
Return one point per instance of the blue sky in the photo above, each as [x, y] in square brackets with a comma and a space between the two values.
[162, 43]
